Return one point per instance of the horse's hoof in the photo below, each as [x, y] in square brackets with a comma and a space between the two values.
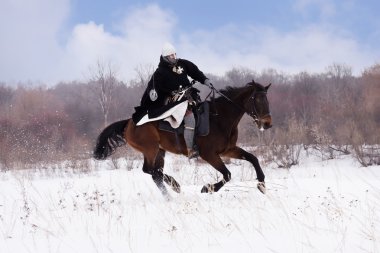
[261, 187]
[176, 188]
[172, 183]
[207, 188]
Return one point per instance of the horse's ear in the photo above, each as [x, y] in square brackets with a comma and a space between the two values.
[251, 83]
[267, 87]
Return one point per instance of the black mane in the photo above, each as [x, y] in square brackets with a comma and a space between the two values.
[233, 92]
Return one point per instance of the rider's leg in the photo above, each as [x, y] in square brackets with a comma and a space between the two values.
[189, 134]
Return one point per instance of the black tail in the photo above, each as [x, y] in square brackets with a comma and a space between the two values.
[110, 139]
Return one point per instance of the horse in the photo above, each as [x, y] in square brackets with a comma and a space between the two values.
[226, 111]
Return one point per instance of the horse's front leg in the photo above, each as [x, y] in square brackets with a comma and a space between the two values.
[217, 163]
[239, 153]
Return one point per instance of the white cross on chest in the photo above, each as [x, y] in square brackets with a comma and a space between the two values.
[178, 70]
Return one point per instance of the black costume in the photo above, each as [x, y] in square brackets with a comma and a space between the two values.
[166, 79]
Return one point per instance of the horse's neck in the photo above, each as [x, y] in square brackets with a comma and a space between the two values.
[232, 111]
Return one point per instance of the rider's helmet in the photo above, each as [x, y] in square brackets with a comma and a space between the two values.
[169, 53]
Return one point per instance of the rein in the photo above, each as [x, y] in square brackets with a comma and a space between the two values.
[254, 115]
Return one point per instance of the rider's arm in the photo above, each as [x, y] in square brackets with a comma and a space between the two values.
[194, 72]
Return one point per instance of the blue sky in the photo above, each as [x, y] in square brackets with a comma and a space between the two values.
[61, 40]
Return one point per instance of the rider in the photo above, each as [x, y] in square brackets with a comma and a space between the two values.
[171, 75]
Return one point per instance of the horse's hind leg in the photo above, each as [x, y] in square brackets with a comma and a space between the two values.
[218, 164]
[157, 176]
[240, 153]
[159, 163]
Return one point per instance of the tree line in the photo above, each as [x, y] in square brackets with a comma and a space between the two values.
[331, 112]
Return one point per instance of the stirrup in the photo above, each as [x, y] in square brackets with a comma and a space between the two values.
[192, 153]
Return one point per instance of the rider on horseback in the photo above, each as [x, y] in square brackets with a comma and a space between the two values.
[170, 76]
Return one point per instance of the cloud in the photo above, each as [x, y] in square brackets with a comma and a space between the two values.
[322, 8]
[28, 45]
[310, 48]
[141, 35]
[30, 48]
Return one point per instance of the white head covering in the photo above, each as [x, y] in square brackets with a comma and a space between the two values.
[167, 49]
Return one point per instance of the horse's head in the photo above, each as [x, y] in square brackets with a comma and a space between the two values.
[257, 106]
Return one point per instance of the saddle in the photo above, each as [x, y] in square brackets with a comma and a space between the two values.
[202, 119]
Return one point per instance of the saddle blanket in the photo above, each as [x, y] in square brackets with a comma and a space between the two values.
[174, 115]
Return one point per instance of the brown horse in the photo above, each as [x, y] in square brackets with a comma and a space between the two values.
[226, 112]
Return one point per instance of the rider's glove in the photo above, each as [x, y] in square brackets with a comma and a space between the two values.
[207, 82]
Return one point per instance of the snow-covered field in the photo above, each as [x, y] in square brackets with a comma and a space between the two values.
[317, 206]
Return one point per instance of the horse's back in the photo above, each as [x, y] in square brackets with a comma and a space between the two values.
[149, 137]
[143, 136]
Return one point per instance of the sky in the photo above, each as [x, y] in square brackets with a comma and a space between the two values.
[63, 40]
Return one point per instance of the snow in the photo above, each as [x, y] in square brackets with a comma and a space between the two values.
[316, 206]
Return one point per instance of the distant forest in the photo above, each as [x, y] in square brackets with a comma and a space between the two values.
[331, 112]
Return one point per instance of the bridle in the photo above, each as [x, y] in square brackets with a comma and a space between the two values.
[253, 113]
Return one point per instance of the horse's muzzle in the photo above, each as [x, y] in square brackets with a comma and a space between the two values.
[264, 122]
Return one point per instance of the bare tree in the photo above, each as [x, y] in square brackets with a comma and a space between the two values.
[339, 72]
[104, 79]
[304, 90]
[144, 73]
[371, 89]
[237, 77]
